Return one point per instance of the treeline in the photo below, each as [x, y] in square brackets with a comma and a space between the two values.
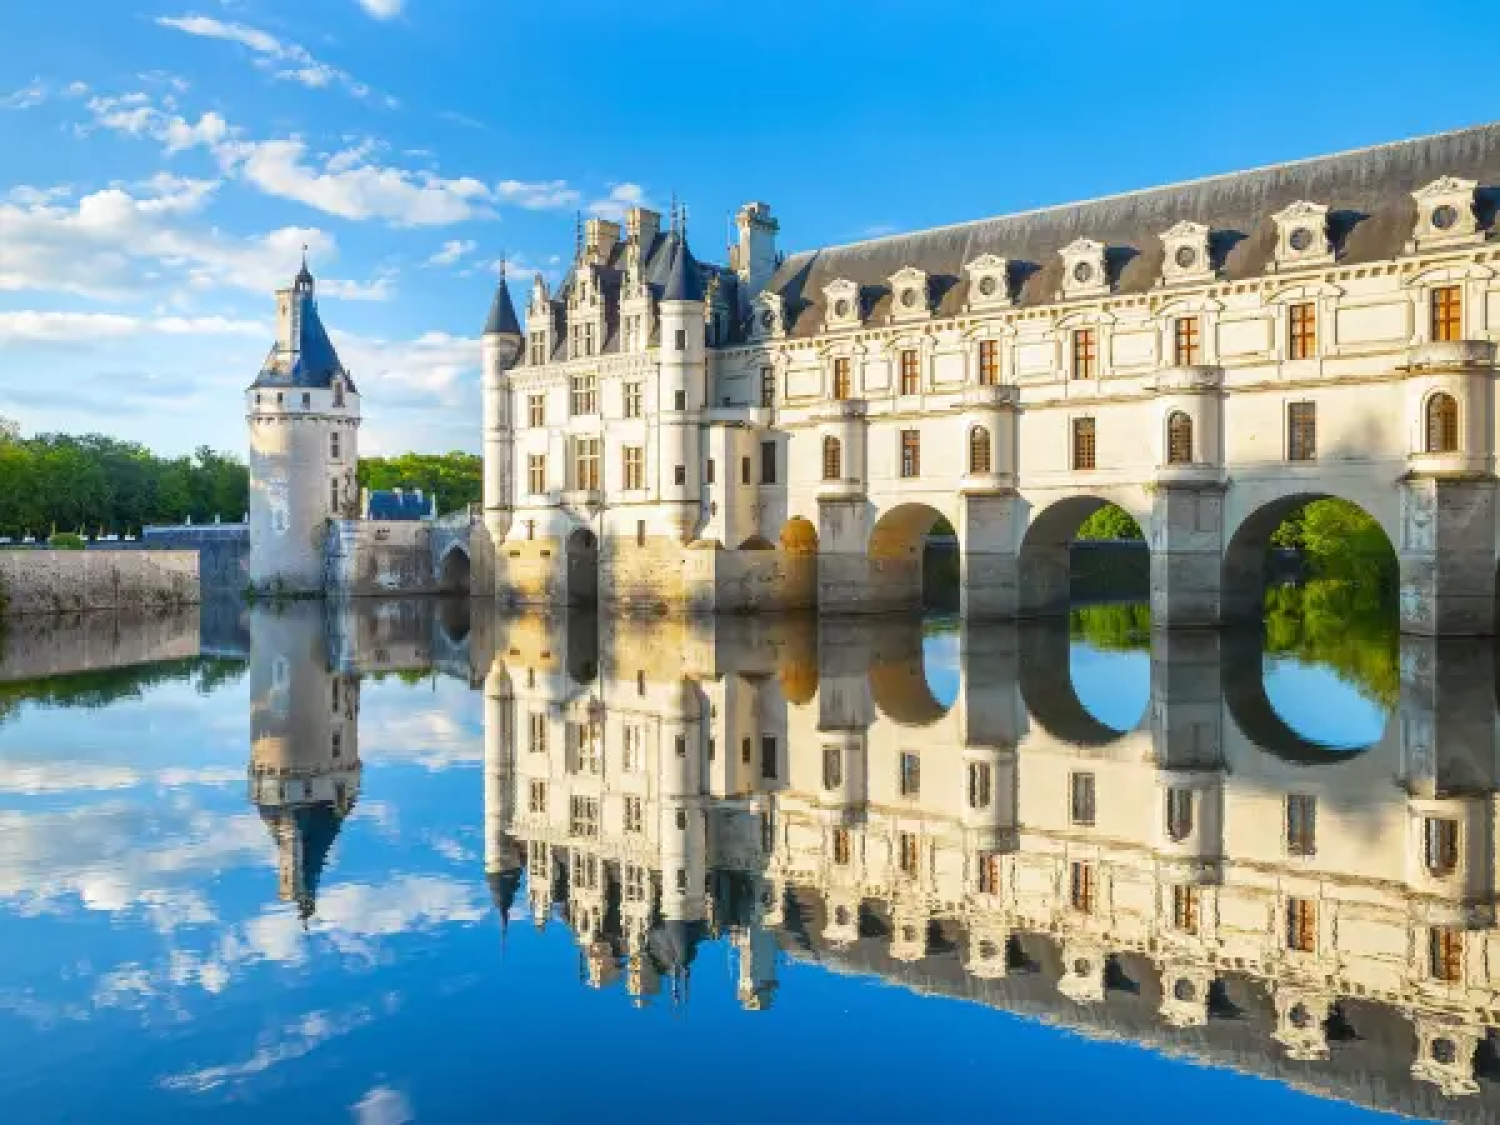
[457, 478]
[95, 485]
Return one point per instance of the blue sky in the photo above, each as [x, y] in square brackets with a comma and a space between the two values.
[162, 164]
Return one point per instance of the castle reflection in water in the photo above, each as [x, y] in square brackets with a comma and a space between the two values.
[1209, 883]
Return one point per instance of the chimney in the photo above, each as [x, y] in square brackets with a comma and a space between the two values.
[642, 227]
[754, 258]
[600, 236]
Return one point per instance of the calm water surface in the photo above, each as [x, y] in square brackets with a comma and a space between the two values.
[406, 863]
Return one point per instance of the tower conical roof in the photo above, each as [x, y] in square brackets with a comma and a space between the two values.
[502, 319]
[309, 359]
[684, 278]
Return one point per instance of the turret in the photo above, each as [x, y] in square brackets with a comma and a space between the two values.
[754, 255]
[683, 374]
[302, 412]
[501, 348]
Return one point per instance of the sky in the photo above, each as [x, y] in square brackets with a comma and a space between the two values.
[162, 164]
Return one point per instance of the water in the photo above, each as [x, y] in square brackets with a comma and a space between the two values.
[309, 865]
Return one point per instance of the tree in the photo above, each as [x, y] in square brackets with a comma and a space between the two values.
[1110, 522]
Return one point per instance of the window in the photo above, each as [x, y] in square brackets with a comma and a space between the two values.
[1085, 354]
[680, 340]
[583, 817]
[1302, 331]
[679, 400]
[536, 410]
[833, 459]
[635, 467]
[1302, 431]
[768, 462]
[908, 845]
[583, 340]
[336, 744]
[911, 453]
[1442, 423]
[679, 474]
[536, 473]
[338, 393]
[1185, 346]
[633, 400]
[1301, 925]
[632, 747]
[710, 471]
[333, 446]
[1447, 314]
[635, 883]
[536, 800]
[1179, 814]
[335, 684]
[1301, 824]
[633, 816]
[538, 740]
[1185, 908]
[833, 767]
[585, 394]
[681, 746]
[841, 846]
[333, 495]
[979, 785]
[640, 533]
[745, 751]
[1081, 887]
[1179, 439]
[768, 758]
[1081, 798]
[841, 377]
[911, 775]
[744, 470]
[979, 450]
[989, 363]
[1440, 845]
[586, 462]
[585, 748]
[306, 399]
[1446, 954]
[989, 873]
[910, 371]
[1085, 447]
[538, 349]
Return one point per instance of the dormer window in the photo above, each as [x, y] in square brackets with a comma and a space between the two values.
[989, 282]
[1187, 254]
[538, 355]
[338, 392]
[1302, 235]
[909, 294]
[766, 316]
[1445, 214]
[1084, 269]
[842, 304]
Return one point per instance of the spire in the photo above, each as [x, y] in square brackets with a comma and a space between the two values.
[684, 278]
[304, 282]
[502, 319]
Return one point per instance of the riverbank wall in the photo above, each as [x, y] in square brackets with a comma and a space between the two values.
[35, 581]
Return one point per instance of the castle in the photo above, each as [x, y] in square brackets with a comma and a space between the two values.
[784, 432]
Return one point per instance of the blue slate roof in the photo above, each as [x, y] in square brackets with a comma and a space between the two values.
[502, 319]
[392, 505]
[684, 278]
[311, 361]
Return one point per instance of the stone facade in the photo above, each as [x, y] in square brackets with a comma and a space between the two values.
[75, 581]
[1207, 882]
[1208, 356]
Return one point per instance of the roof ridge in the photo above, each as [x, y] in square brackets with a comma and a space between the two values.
[1195, 181]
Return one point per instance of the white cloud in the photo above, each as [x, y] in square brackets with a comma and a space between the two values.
[26, 97]
[297, 1039]
[536, 196]
[621, 198]
[383, 9]
[452, 252]
[284, 59]
[55, 776]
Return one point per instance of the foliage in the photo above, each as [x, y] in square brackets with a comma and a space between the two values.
[93, 484]
[1110, 522]
[1338, 540]
[65, 541]
[457, 478]
[1345, 625]
[101, 687]
[1113, 627]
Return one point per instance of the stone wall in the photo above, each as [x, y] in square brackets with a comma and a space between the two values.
[223, 553]
[58, 644]
[380, 557]
[73, 581]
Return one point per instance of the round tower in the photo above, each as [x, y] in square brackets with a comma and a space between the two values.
[501, 344]
[303, 416]
[683, 360]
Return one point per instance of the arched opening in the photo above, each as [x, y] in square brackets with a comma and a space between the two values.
[917, 551]
[1083, 550]
[1311, 581]
[1078, 694]
[1442, 423]
[583, 567]
[453, 573]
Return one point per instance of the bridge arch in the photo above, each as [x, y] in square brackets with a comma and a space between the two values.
[582, 550]
[1049, 691]
[1044, 566]
[914, 570]
[454, 570]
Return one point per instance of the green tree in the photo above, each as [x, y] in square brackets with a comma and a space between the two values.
[1110, 522]
[456, 478]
